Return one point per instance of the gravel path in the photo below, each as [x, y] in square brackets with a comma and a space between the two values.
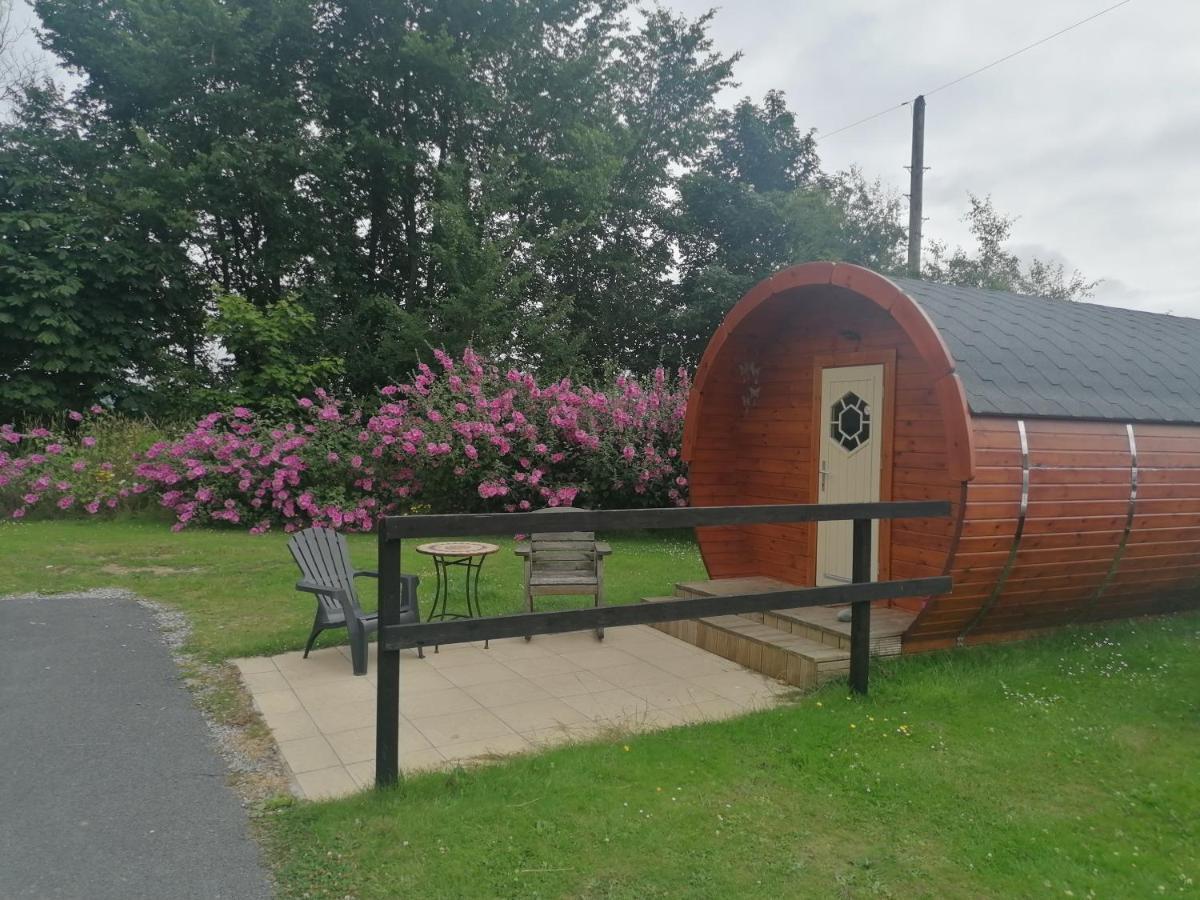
[110, 783]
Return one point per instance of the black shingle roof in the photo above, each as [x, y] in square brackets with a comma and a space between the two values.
[1033, 356]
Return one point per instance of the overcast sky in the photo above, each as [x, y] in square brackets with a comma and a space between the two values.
[1092, 139]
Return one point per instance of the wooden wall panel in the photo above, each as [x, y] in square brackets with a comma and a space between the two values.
[761, 450]
[1078, 507]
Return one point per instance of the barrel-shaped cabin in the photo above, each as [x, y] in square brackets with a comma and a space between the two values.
[1065, 435]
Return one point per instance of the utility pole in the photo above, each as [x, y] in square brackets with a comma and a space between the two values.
[916, 187]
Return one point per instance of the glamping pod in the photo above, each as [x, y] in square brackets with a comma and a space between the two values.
[1065, 435]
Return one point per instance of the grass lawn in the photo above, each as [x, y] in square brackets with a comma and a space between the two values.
[238, 590]
[1066, 766]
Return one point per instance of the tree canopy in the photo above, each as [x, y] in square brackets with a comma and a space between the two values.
[239, 183]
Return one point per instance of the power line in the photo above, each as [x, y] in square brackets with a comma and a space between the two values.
[983, 68]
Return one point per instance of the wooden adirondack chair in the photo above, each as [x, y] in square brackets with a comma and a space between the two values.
[324, 561]
[562, 563]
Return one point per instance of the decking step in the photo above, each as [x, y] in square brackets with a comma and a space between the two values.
[817, 623]
[774, 652]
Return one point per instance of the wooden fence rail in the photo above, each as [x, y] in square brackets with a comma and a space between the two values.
[394, 637]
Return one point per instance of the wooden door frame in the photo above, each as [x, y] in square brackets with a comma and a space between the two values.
[887, 359]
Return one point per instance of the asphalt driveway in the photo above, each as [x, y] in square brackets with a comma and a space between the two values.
[110, 784]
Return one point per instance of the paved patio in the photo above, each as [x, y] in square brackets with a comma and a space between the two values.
[468, 704]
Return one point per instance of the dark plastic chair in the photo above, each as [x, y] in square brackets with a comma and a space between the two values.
[326, 571]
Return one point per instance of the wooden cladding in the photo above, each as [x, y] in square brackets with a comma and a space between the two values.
[1112, 529]
[1081, 520]
[763, 448]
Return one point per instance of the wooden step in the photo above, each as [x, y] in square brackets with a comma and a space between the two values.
[728, 587]
[776, 653]
[817, 623]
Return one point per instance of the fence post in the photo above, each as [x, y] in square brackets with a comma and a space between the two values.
[860, 613]
[387, 696]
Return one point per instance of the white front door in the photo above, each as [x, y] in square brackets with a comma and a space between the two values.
[850, 441]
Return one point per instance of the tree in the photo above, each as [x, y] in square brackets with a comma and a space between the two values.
[995, 268]
[759, 202]
[95, 295]
[490, 172]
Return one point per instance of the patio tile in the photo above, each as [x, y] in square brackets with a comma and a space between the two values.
[507, 649]
[293, 659]
[264, 681]
[357, 745]
[423, 679]
[535, 714]
[334, 717]
[468, 704]
[560, 735]
[432, 703]
[708, 711]
[325, 784]
[691, 666]
[363, 774]
[455, 728]
[477, 673]
[664, 695]
[503, 693]
[252, 665]
[420, 761]
[347, 690]
[311, 676]
[569, 684]
[569, 641]
[288, 726]
[541, 666]
[616, 704]
[741, 687]
[308, 754]
[600, 658]
[501, 745]
[272, 702]
[635, 673]
[455, 655]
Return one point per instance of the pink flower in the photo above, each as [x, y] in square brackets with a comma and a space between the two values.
[389, 390]
[331, 457]
[54, 449]
[65, 502]
[93, 507]
[305, 403]
[628, 452]
[88, 441]
[19, 512]
[96, 409]
[75, 416]
[79, 465]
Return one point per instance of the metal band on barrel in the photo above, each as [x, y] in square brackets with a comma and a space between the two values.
[1016, 544]
[1133, 492]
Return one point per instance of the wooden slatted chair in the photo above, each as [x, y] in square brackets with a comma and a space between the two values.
[564, 563]
[326, 571]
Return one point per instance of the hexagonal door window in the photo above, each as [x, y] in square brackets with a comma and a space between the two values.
[850, 421]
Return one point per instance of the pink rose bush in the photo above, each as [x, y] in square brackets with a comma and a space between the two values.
[83, 463]
[462, 435]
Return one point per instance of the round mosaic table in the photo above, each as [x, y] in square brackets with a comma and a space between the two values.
[467, 555]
